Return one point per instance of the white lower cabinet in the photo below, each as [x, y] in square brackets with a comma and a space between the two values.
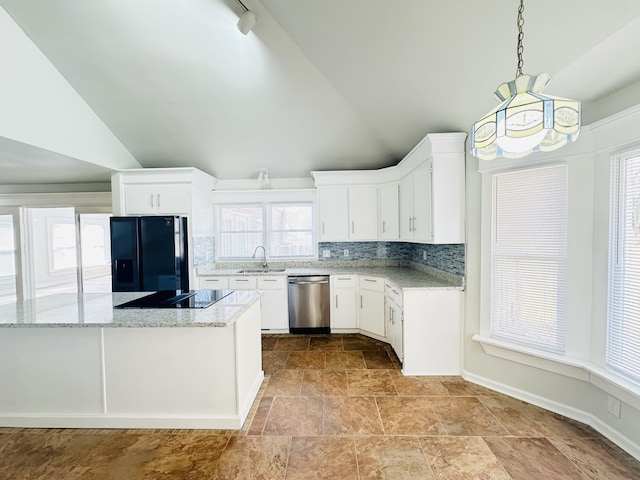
[371, 313]
[274, 300]
[275, 308]
[394, 318]
[344, 302]
[432, 331]
[213, 283]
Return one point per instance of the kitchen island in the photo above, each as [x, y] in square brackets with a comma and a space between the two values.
[73, 360]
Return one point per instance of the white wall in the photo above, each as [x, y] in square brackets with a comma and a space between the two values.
[578, 386]
[40, 108]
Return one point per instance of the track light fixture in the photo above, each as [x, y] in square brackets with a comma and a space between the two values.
[247, 20]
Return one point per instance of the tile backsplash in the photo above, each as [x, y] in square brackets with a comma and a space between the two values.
[449, 258]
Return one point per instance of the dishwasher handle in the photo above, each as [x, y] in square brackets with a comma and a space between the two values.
[314, 282]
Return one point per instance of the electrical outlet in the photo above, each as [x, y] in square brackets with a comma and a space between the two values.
[346, 252]
[613, 406]
[424, 254]
[326, 253]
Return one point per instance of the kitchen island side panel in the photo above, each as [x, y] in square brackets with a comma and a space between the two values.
[50, 371]
[170, 371]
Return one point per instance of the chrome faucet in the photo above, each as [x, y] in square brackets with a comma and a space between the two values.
[264, 255]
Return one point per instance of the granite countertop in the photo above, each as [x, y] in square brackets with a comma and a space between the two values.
[404, 277]
[96, 310]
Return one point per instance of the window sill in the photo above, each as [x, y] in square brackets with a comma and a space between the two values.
[583, 370]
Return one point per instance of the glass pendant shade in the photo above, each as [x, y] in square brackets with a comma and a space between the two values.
[526, 121]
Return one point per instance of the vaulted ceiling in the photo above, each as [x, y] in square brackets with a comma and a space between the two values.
[317, 84]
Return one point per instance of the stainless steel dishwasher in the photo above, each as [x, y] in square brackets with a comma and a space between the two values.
[309, 304]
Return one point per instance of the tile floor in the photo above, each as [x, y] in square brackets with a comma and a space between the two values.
[336, 407]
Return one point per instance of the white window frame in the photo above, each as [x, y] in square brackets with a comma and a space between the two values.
[267, 230]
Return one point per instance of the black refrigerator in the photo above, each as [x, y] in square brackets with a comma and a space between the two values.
[149, 254]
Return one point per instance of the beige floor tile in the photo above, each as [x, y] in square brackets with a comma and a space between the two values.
[254, 458]
[523, 419]
[292, 343]
[260, 418]
[462, 458]
[532, 458]
[466, 416]
[322, 458]
[295, 416]
[392, 458]
[300, 360]
[344, 360]
[459, 387]
[378, 360]
[185, 457]
[351, 416]
[324, 383]
[360, 342]
[370, 383]
[329, 342]
[274, 361]
[284, 383]
[118, 456]
[268, 342]
[408, 416]
[419, 386]
[598, 458]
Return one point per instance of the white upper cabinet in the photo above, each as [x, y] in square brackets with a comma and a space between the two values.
[420, 200]
[415, 206]
[144, 199]
[348, 213]
[363, 212]
[333, 214]
[388, 225]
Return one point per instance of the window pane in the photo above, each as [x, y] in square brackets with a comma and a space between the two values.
[63, 245]
[528, 257]
[296, 217]
[239, 245]
[623, 329]
[241, 218]
[291, 244]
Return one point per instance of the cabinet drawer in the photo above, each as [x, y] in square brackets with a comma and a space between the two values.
[242, 283]
[393, 292]
[213, 283]
[344, 281]
[272, 283]
[372, 283]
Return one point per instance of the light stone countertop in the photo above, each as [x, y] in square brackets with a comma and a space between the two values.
[404, 277]
[96, 310]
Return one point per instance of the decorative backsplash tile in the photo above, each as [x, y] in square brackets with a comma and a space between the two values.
[449, 258]
[203, 251]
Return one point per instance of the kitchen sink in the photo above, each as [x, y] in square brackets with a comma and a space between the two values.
[263, 270]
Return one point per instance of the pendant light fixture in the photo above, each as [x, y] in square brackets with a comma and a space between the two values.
[247, 20]
[527, 120]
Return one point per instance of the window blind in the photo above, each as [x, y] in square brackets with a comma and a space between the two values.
[623, 322]
[528, 257]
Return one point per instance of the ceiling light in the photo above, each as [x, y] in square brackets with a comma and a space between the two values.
[527, 120]
[247, 20]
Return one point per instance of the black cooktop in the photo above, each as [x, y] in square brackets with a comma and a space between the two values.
[177, 299]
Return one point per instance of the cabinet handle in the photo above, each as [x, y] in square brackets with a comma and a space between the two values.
[353, 227]
[269, 280]
[414, 224]
[370, 280]
[384, 224]
[410, 227]
[361, 301]
[151, 196]
[241, 280]
[158, 199]
[336, 301]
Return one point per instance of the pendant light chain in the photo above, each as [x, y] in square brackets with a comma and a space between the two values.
[520, 38]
